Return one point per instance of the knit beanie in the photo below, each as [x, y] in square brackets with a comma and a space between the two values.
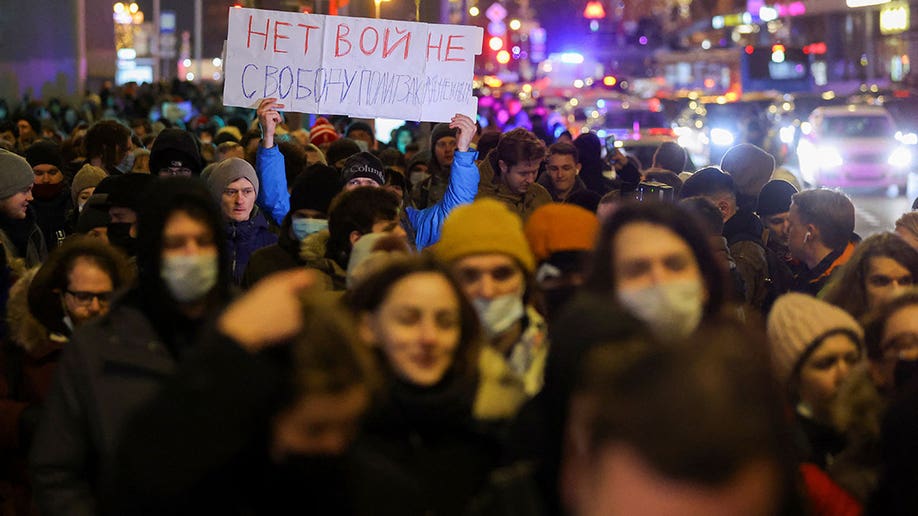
[358, 126]
[15, 174]
[440, 131]
[175, 148]
[227, 171]
[314, 189]
[775, 197]
[341, 149]
[44, 152]
[798, 322]
[750, 166]
[483, 227]
[88, 177]
[556, 227]
[322, 132]
[365, 165]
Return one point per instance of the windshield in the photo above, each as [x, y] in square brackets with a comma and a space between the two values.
[627, 119]
[864, 126]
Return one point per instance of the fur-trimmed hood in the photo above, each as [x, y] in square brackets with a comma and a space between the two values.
[25, 330]
[858, 412]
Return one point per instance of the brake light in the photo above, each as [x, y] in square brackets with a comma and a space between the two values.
[661, 131]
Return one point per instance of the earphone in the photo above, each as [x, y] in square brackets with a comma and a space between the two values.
[806, 237]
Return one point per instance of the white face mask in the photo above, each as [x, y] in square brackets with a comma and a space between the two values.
[189, 277]
[670, 310]
[498, 314]
[417, 177]
[302, 228]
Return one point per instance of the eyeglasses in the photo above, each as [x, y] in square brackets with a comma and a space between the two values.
[86, 298]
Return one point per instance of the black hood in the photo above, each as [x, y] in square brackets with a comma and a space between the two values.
[175, 145]
[165, 196]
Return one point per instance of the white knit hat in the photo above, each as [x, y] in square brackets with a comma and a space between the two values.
[797, 322]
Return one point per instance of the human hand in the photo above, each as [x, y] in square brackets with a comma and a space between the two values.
[269, 117]
[269, 313]
[467, 131]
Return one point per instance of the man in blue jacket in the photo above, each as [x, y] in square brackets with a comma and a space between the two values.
[463, 185]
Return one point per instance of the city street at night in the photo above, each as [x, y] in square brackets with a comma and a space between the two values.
[458, 257]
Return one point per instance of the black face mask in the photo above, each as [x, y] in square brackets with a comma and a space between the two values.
[47, 191]
[119, 235]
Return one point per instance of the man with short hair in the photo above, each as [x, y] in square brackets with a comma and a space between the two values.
[820, 233]
[352, 214]
[509, 173]
[562, 178]
[680, 430]
[20, 235]
[742, 229]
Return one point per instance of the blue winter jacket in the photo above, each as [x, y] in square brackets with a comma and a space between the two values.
[463, 186]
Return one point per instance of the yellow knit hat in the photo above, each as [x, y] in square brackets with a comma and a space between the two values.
[483, 227]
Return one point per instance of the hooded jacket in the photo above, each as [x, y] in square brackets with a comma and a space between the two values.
[491, 186]
[743, 232]
[27, 364]
[115, 363]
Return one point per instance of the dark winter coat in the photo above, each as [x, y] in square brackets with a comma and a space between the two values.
[244, 238]
[51, 215]
[283, 255]
[579, 195]
[27, 363]
[422, 452]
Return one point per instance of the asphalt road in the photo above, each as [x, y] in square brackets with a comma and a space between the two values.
[875, 212]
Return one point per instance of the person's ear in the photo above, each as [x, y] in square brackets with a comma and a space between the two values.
[502, 166]
[577, 170]
[354, 237]
[365, 329]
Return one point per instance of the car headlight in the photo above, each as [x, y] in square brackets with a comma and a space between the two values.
[900, 158]
[829, 157]
[721, 137]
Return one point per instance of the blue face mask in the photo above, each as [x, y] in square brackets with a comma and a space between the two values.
[302, 228]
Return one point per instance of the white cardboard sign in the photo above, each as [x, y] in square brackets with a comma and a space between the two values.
[342, 65]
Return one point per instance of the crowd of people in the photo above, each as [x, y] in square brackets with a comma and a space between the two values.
[251, 313]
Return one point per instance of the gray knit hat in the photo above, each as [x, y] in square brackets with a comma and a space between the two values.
[15, 174]
[88, 177]
[226, 172]
[798, 322]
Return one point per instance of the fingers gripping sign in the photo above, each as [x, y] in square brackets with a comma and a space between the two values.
[467, 129]
[269, 117]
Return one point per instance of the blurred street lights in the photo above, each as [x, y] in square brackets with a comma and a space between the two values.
[378, 3]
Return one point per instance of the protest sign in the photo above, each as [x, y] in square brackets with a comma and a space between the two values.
[342, 65]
